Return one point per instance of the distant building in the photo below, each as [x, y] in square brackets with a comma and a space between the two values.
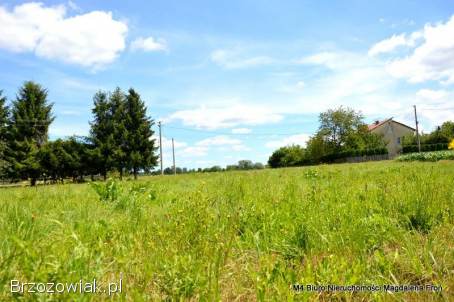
[392, 133]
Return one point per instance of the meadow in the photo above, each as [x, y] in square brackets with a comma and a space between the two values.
[237, 236]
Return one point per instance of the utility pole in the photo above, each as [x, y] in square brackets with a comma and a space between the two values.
[160, 145]
[417, 130]
[173, 153]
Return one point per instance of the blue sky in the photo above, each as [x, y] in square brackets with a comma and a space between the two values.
[234, 80]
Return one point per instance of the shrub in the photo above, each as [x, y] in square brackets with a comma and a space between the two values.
[289, 156]
[352, 153]
[425, 147]
[108, 191]
[427, 156]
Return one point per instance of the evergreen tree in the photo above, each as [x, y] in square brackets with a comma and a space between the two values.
[76, 149]
[61, 159]
[27, 130]
[49, 162]
[140, 147]
[117, 103]
[101, 134]
[87, 156]
[3, 141]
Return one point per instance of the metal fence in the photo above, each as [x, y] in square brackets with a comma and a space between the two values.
[364, 158]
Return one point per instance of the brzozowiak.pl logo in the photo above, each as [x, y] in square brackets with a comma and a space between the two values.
[80, 287]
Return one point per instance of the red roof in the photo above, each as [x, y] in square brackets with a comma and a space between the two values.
[378, 124]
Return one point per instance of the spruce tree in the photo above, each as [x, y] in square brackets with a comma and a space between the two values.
[31, 116]
[3, 140]
[118, 117]
[101, 134]
[140, 148]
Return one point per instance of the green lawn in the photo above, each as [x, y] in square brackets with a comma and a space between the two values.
[241, 236]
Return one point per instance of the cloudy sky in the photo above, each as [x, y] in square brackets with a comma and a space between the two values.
[235, 79]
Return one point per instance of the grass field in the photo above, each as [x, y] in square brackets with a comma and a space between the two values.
[241, 236]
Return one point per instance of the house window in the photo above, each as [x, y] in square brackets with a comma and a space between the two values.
[398, 140]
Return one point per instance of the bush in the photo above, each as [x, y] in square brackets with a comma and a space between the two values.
[427, 156]
[425, 147]
[352, 153]
[289, 156]
[108, 191]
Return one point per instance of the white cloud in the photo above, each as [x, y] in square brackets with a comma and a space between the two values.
[93, 39]
[241, 131]
[299, 139]
[223, 142]
[167, 143]
[388, 45]
[434, 107]
[329, 59]
[220, 140]
[429, 94]
[290, 87]
[225, 117]
[194, 151]
[219, 143]
[233, 59]
[351, 79]
[432, 118]
[239, 148]
[362, 82]
[391, 44]
[300, 84]
[335, 60]
[433, 59]
[148, 44]
[72, 5]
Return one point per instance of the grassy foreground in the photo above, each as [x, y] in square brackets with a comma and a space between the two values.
[241, 236]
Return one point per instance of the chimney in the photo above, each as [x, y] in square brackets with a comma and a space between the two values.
[377, 122]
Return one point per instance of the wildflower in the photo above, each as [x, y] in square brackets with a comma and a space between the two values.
[451, 145]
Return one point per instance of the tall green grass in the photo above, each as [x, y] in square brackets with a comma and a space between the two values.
[241, 236]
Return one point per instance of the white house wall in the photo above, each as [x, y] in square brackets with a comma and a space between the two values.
[393, 134]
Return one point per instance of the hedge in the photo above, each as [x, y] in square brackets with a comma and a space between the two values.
[352, 153]
[425, 147]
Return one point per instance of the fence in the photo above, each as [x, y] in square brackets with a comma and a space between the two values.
[359, 159]
[356, 156]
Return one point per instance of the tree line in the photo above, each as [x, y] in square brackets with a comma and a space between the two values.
[244, 164]
[438, 139]
[342, 132]
[120, 138]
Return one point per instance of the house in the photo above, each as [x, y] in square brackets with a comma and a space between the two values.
[392, 133]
